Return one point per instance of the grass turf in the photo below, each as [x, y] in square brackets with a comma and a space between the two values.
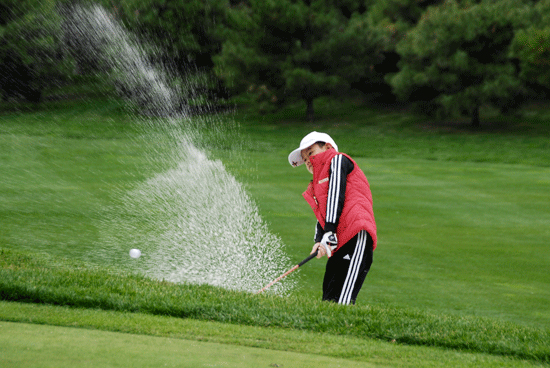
[461, 213]
[35, 278]
[26, 345]
[271, 345]
[460, 237]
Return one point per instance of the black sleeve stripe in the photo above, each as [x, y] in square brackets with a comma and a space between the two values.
[318, 232]
[340, 167]
[334, 189]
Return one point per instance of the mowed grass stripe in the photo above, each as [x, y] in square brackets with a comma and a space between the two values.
[458, 235]
[175, 342]
[454, 237]
[42, 279]
[59, 347]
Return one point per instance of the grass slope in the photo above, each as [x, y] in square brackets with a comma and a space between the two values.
[462, 221]
[268, 343]
[456, 237]
[42, 279]
[461, 213]
[27, 345]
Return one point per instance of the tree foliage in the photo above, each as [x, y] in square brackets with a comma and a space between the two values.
[187, 32]
[445, 56]
[532, 47]
[457, 58]
[31, 49]
[299, 49]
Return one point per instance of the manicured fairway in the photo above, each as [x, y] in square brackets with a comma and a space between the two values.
[24, 345]
[462, 223]
[458, 237]
[454, 236]
[155, 341]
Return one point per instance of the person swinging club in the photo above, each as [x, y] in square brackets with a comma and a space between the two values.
[341, 199]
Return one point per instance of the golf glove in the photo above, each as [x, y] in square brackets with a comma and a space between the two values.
[330, 242]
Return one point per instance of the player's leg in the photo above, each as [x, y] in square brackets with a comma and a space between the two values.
[347, 268]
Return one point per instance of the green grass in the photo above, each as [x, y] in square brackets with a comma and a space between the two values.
[395, 133]
[42, 279]
[271, 346]
[461, 238]
[69, 347]
[461, 229]
[462, 219]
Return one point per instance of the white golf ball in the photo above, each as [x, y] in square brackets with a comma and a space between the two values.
[135, 253]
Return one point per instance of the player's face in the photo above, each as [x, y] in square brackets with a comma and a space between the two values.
[312, 151]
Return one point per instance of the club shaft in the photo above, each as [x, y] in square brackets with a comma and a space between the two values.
[311, 256]
[279, 278]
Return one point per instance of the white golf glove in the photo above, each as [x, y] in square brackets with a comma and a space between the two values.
[329, 242]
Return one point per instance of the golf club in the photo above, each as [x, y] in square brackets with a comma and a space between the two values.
[311, 256]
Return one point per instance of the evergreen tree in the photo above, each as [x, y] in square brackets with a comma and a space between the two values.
[188, 34]
[457, 58]
[31, 49]
[299, 49]
[532, 48]
[393, 18]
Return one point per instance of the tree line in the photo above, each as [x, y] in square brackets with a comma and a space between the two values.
[443, 57]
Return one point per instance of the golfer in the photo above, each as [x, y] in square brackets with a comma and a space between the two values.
[340, 197]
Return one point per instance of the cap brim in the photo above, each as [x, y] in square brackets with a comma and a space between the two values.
[295, 158]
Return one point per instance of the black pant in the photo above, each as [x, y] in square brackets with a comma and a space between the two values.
[347, 268]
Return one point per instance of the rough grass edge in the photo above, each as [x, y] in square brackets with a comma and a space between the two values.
[40, 278]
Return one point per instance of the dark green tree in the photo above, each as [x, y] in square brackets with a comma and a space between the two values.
[531, 46]
[187, 34]
[299, 49]
[457, 58]
[400, 15]
[393, 18]
[31, 49]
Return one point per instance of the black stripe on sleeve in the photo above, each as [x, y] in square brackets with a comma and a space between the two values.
[340, 167]
[319, 232]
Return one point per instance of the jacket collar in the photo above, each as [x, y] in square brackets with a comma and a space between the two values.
[322, 158]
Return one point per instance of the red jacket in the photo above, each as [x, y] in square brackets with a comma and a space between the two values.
[357, 213]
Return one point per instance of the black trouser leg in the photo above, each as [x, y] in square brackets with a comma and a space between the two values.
[347, 268]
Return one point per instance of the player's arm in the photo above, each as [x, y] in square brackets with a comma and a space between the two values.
[340, 167]
[318, 233]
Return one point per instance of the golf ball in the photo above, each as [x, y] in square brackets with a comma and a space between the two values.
[135, 253]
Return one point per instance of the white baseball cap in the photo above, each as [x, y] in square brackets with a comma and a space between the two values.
[295, 157]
